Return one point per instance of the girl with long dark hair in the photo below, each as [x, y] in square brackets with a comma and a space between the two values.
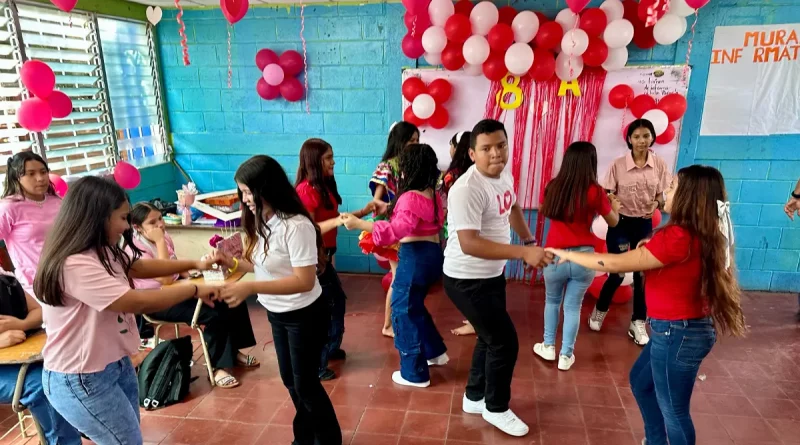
[416, 217]
[571, 201]
[84, 280]
[692, 295]
[285, 250]
[28, 207]
[316, 186]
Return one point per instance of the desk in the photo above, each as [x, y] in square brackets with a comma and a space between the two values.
[25, 353]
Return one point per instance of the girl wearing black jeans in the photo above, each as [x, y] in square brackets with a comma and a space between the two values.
[284, 249]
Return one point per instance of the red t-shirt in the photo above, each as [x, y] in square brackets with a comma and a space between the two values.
[673, 291]
[313, 202]
[563, 235]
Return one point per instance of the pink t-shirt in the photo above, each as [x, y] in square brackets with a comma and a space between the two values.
[637, 187]
[412, 216]
[82, 335]
[149, 252]
[24, 225]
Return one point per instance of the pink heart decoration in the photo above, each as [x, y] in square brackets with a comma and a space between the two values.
[697, 4]
[234, 10]
[65, 5]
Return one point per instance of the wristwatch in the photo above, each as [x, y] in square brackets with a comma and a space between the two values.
[529, 242]
[795, 195]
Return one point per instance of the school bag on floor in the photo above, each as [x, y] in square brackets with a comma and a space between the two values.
[165, 374]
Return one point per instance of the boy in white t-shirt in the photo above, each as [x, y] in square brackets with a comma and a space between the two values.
[482, 210]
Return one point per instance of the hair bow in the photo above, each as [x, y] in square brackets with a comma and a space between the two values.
[392, 126]
[459, 136]
[726, 227]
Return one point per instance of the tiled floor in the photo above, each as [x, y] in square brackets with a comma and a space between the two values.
[748, 392]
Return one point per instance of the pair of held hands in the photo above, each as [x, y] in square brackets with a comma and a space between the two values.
[792, 207]
[233, 294]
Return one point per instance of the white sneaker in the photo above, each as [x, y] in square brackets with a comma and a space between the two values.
[564, 362]
[507, 422]
[439, 361]
[397, 378]
[470, 407]
[638, 332]
[596, 320]
[547, 352]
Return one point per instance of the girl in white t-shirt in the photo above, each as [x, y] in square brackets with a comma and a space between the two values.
[284, 248]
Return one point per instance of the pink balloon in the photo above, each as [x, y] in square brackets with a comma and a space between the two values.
[697, 4]
[38, 77]
[292, 89]
[577, 5]
[61, 104]
[265, 57]
[59, 184]
[274, 74]
[65, 5]
[234, 10]
[386, 281]
[657, 217]
[292, 62]
[127, 176]
[267, 91]
[412, 46]
[35, 114]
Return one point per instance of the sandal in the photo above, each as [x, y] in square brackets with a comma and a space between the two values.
[226, 382]
[248, 362]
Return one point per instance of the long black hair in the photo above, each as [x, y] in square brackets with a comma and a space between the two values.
[401, 133]
[311, 170]
[140, 212]
[637, 124]
[461, 160]
[15, 169]
[418, 171]
[80, 227]
[268, 183]
[566, 194]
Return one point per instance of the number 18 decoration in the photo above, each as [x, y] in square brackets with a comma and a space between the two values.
[427, 102]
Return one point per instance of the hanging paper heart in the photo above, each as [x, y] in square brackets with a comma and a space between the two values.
[577, 5]
[154, 14]
[65, 5]
[234, 10]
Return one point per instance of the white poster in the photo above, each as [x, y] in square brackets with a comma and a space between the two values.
[753, 82]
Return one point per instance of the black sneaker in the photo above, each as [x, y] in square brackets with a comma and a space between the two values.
[338, 354]
[327, 374]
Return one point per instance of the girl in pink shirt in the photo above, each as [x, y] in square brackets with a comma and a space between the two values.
[85, 282]
[415, 220]
[27, 210]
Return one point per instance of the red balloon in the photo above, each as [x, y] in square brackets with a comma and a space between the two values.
[265, 57]
[412, 46]
[697, 4]
[577, 5]
[291, 89]
[495, 67]
[419, 7]
[386, 281]
[267, 91]
[440, 118]
[412, 118]
[65, 5]
[59, 185]
[544, 65]
[413, 87]
[631, 11]
[127, 176]
[593, 21]
[621, 296]
[440, 90]
[34, 114]
[674, 105]
[641, 104]
[60, 104]
[453, 56]
[500, 37]
[542, 18]
[292, 62]
[643, 36]
[657, 217]
[234, 10]
[464, 7]
[667, 136]
[507, 14]
[549, 36]
[38, 77]
[620, 96]
[423, 22]
[641, 11]
[596, 53]
[458, 28]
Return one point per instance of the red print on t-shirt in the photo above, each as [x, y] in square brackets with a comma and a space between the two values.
[505, 203]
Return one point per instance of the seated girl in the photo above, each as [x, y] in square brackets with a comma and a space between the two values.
[226, 330]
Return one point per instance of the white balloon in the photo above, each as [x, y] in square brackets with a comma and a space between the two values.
[440, 10]
[568, 67]
[433, 59]
[476, 50]
[613, 9]
[685, 25]
[434, 40]
[628, 279]
[618, 33]
[567, 19]
[680, 8]
[600, 228]
[659, 119]
[525, 26]
[669, 29]
[483, 16]
[423, 106]
[473, 70]
[616, 60]
[575, 42]
[519, 59]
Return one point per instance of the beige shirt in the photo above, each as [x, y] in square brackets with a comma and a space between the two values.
[637, 187]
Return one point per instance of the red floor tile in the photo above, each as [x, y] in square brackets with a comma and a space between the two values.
[748, 429]
[599, 396]
[430, 402]
[433, 426]
[381, 421]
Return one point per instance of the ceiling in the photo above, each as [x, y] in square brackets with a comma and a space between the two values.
[215, 3]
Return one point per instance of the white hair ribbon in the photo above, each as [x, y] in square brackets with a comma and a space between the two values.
[392, 126]
[459, 136]
[726, 227]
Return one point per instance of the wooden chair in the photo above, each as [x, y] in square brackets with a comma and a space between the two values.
[23, 354]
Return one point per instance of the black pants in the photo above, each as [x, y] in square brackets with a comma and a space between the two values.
[226, 330]
[299, 338]
[622, 238]
[483, 303]
[334, 295]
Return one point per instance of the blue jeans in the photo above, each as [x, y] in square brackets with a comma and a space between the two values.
[566, 282]
[103, 405]
[415, 335]
[56, 429]
[662, 379]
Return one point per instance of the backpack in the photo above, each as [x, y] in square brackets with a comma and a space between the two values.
[12, 300]
[165, 374]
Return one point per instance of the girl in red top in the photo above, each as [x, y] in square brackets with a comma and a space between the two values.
[316, 187]
[571, 201]
[691, 292]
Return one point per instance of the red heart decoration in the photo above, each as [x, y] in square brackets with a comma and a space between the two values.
[234, 10]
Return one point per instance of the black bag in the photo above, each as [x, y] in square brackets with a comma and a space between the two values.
[164, 206]
[165, 374]
[12, 298]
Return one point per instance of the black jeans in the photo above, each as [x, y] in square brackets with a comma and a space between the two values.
[622, 238]
[226, 330]
[483, 303]
[299, 337]
[336, 299]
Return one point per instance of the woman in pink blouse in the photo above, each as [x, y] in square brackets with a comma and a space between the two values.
[27, 210]
[84, 280]
[415, 220]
